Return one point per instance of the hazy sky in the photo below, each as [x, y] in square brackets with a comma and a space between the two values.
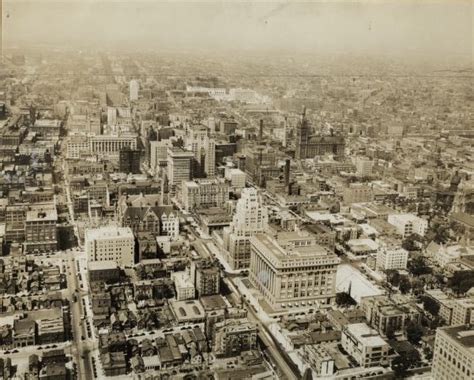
[434, 28]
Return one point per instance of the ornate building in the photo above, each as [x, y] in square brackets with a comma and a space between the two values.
[309, 146]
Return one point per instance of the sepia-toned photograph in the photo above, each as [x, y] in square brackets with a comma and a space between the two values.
[236, 189]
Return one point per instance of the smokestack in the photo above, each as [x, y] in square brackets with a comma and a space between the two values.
[241, 163]
[260, 131]
[287, 172]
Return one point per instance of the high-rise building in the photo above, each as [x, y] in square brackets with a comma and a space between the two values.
[203, 193]
[110, 243]
[289, 274]
[134, 89]
[159, 153]
[364, 166]
[210, 159]
[41, 229]
[180, 163]
[310, 146]
[207, 278]
[130, 160]
[251, 217]
[453, 356]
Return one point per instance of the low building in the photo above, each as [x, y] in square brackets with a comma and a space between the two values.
[103, 271]
[114, 363]
[408, 224]
[365, 345]
[184, 286]
[389, 315]
[190, 311]
[233, 336]
[24, 333]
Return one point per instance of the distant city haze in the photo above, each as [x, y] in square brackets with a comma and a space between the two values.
[437, 30]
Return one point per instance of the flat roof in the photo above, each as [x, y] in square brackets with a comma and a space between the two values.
[366, 335]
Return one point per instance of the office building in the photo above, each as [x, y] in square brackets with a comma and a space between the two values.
[130, 160]
[364, 166]
[289, 274]
[159, 153]
[111, 145]
[180, 164]
[408, 224]
[251, 217]
[233, 336]
[453, 356]
[41, 229]
[390, 315]
[134, 89]
[392, 258]
[77, 147]
[184, 286]
[204, 193]
[463, 311]
[365, 345]
[357, 193]
[310, 146]
[236, 177]
[207, 278]
[110, 243]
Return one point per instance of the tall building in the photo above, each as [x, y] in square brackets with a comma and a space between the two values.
[210, 159]
[180, 164]
[134, 89]
[364, 166]
[388, 259]
[357, 193]
[159, 153]
[203, 193]
[206, 278]
[310, 146]
[463, 311]
[251, 217]
[289, 274]
[110, 243]
[453, 356]
[130, 160]
[41, 229]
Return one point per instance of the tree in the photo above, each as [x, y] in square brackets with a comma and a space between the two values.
[418, 266]
[430, 305]
[414, 332]
[405, 285]
[404, 361]
[393, 277]
[462, 281]
[410, 243]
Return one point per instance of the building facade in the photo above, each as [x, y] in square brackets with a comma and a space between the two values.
[292, 275]
[251, 217]
[111, 243]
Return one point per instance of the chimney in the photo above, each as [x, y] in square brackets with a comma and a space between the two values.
[260, 131]
[241, 163]
[287, 172]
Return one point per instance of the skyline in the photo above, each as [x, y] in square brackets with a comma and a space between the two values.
[436, 31]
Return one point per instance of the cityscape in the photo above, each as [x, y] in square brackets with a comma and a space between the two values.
[236, 190]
